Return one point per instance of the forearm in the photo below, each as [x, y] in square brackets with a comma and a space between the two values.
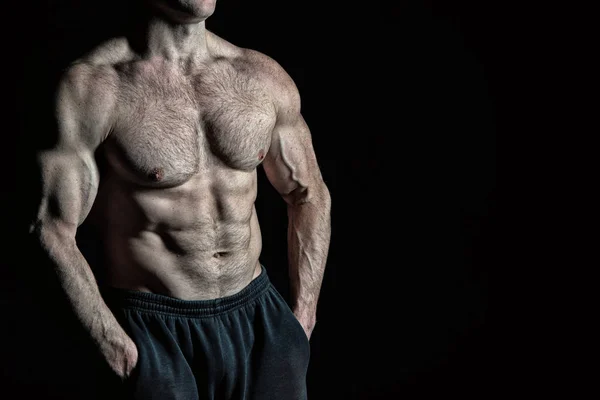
[309, 232]
[76, 279]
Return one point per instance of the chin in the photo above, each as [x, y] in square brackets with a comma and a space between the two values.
[185, 11]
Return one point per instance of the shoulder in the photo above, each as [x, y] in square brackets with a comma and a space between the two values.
[82, 80]
[94, 74]
[279, 83]
[96, 70]
[87, 86]
[266, 70]
[84, 101]
[110, 52]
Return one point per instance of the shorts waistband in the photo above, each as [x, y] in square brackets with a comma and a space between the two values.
[159, 303]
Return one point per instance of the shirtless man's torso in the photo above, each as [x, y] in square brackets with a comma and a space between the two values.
[176, 203]
[181, 123]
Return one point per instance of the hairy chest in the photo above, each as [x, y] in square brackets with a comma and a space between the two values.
[170, 126]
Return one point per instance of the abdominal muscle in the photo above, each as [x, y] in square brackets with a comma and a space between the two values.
[197, 241]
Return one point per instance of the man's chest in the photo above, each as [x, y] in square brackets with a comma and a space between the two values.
[170, 126]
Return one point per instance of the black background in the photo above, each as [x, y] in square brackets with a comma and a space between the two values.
[404, 103]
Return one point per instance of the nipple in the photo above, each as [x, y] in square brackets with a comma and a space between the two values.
[156, 175]
[261, 154]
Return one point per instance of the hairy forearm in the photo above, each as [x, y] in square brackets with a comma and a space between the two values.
[309, 232]
[80, 288]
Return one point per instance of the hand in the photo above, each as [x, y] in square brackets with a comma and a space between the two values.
[121, 354]
[308, 321]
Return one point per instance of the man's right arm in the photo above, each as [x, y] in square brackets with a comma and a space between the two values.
[70, 179]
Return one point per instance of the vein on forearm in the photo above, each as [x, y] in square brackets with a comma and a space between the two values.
[308, 244]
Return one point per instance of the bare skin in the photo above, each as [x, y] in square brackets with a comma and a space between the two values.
[183, 122]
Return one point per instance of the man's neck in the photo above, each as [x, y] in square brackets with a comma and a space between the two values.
[181, 43]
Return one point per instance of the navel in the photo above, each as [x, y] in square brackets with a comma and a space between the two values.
[156, 175]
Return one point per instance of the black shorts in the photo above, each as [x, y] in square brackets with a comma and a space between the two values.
[245, 346]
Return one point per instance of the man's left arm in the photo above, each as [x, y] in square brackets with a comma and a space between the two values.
[291, 167]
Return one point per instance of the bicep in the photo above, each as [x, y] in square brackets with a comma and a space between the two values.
[69, 185]
[68, 170]
[291, 165]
